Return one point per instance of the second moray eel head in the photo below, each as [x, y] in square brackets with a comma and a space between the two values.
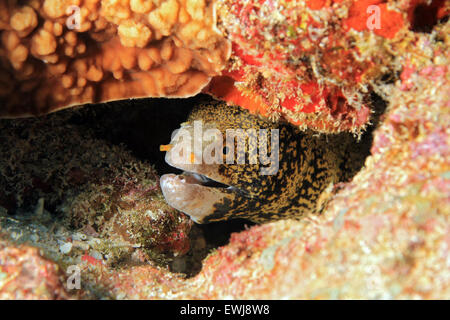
[279, 172]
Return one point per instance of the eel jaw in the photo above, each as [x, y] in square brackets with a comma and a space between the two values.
[190, 194]
[199, 188]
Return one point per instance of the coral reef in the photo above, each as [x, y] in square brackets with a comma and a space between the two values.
[385, 234]
[311, 62]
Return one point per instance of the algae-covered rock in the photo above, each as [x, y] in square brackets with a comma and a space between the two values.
[57, 175]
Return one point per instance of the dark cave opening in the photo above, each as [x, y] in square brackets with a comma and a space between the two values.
[145, 124]
[426, 16]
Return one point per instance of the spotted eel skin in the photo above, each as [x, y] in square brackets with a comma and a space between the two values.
[309, 166]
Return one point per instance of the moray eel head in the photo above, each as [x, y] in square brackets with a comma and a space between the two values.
[237, 165]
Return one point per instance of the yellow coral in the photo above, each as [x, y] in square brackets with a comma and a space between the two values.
[24, 20]
[128, 48]
[134, 34]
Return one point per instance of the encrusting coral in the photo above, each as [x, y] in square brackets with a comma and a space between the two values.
[312, 62]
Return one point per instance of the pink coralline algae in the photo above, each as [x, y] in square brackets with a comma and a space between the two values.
[26, 274]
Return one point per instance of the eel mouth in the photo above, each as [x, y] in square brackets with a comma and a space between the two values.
[195, 194]
[197, 178]
[199, 189]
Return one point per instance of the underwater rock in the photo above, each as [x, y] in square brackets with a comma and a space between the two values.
[25, 274]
